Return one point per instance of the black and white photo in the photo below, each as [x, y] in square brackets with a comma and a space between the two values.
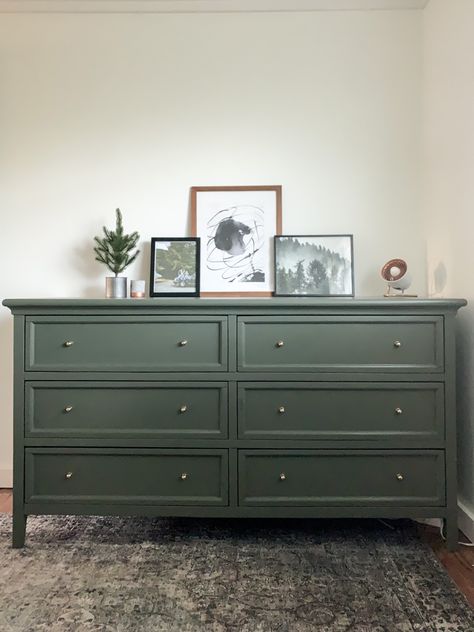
[236, 226]
[314, 265]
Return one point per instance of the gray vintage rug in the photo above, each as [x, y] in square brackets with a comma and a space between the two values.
[183, 575]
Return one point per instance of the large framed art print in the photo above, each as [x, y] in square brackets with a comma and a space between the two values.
[236, 225]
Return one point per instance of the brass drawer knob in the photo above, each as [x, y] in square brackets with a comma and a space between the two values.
[183, 408]
[399, 477]
[69, 343]
[281, 410]
[397, 344]
[283, 476]
[68, 409]
[68, 475]
[398, 411]
[184, 476]
[183, 343]
[280, 344]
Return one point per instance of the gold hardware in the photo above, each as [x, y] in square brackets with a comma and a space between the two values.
[68, 409]
[69, 343]
[183, 476]
[183, 409]
[283, 476]
[68, 475]
[399, 477]
[397, 344]
[281, 410]
[398, 411]
[183, 343]
[280, 343]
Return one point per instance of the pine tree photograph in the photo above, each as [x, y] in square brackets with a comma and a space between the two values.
[314, 265]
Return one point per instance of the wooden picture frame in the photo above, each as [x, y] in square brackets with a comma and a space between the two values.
[314, 265]
[236, 225]
[180, 275]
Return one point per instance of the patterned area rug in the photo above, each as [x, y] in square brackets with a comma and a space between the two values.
[182, 575]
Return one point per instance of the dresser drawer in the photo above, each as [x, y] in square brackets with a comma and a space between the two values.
[299, 343]
[144, 477]
[337, 478]
[154, 343]
[126, 409]
[347, 411]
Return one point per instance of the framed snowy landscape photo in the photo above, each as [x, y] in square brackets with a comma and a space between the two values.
[236, 226]
[314, 265]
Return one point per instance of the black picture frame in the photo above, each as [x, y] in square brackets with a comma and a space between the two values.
[168, 283]
[332, 275]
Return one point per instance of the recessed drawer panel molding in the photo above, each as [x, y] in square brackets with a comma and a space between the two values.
[155, 343]
[365, 343]
[139, 477]
[346, 411]
[127, 409]
[341, 478]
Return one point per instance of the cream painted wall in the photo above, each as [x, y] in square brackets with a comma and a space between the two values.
[99, 111]
[448, 142]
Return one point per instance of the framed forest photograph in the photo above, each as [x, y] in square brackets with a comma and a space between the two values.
[314, 265]
[236, 226]
[174, 266]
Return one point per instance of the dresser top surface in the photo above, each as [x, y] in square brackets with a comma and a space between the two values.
[25, 305]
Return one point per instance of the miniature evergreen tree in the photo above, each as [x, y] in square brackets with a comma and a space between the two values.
[115, 249]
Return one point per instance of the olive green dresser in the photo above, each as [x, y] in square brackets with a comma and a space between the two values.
[235, 407]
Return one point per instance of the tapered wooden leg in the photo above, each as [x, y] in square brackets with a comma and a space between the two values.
[451, 531]
[19, 529]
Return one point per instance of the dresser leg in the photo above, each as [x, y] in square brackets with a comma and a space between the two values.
[452, 535]
[19, 530]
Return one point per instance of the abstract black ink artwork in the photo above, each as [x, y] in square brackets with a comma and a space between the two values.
[236, 226]
[235, 244]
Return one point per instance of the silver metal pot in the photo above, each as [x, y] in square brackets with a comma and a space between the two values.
[116, 287]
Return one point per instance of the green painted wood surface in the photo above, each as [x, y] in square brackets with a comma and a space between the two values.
[162, 477]
[178, 343]
[351, 410]
[126, 410]
[338, 358]
[340, 478]
[315, 343]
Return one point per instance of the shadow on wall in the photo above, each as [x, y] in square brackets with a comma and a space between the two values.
[465, 401]
[84, 262]
[6, 388]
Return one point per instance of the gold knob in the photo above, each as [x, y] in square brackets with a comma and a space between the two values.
[280, 343]
[399, 477]
[69, 343]
[398, 411]
[281, 410]
[183, 409]
[68, 409]
[397, 344]
[283, 476]
[183, 343]
[183, 476]
[68, 475]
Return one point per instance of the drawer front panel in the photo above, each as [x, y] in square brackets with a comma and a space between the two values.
[85, 410]
[357, 478]
[145, 477]
[167, 343]
[341, 344]
[377, 411]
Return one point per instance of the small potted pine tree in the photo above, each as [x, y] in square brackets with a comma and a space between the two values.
[116, 251]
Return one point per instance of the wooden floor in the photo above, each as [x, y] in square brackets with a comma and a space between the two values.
[460, 564]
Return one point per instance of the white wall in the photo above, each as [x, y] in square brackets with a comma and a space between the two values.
[448, 141]
[99, 111]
